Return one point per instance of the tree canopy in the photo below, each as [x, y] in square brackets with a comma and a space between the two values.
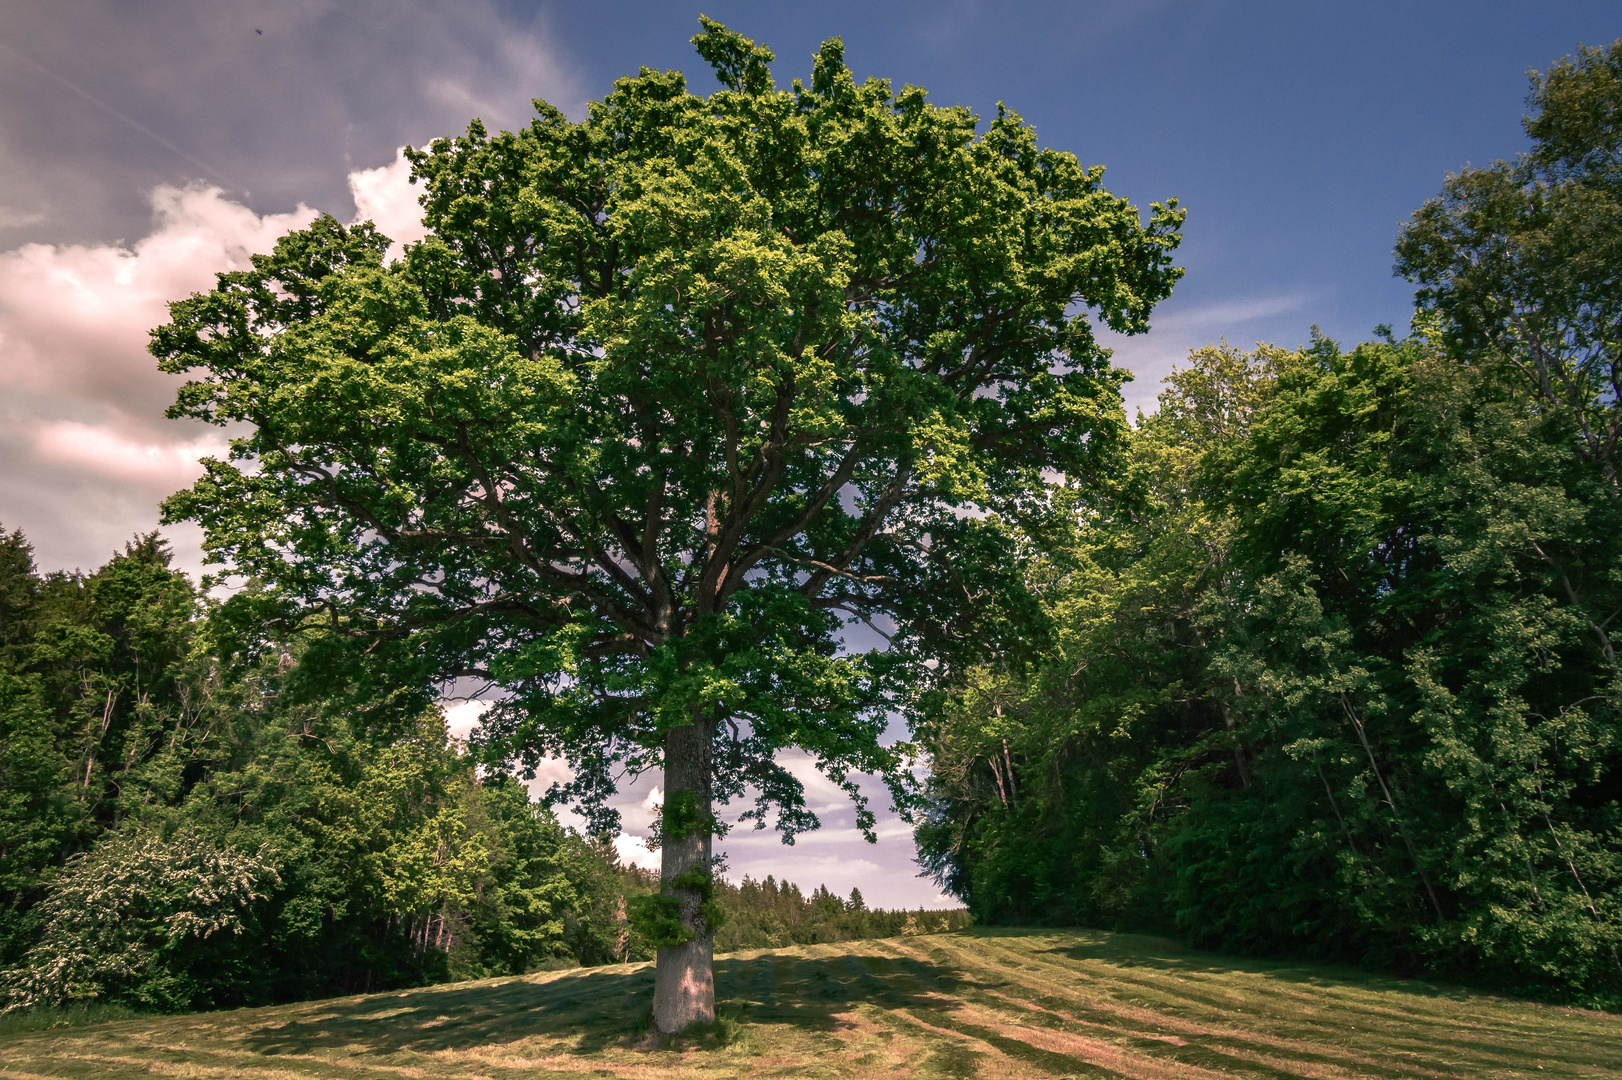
[1333, 671]
[667, 398]
[1519, 260]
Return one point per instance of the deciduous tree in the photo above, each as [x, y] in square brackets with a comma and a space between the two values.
[666, 398]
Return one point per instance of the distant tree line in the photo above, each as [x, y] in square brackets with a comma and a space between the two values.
[1331, 669]
[769, 914]
[196, 815]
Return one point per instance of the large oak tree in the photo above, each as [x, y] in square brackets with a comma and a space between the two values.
[667, 398]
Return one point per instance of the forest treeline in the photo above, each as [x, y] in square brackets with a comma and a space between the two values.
[1331, 669]
[192, 818]
[772, 914]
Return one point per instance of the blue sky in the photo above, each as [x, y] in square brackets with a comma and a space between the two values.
[144, 147]
[1298, 135]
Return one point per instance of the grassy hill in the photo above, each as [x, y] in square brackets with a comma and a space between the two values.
[983, 1003]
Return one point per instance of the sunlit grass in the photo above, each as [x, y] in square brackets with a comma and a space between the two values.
[982, 1002]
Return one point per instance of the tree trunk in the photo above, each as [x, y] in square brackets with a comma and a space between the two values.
[1238, 744]
[684, 982]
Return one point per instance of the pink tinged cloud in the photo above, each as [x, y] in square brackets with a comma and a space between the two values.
[74, 319]
[80, 395]
[386, 197]
[102, 451]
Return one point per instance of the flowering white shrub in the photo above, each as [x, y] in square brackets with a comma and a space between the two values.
[114, 911]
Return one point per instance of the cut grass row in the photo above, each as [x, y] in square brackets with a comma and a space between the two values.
[981, 1003]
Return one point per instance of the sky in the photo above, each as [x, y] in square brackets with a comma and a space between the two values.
[146, 145]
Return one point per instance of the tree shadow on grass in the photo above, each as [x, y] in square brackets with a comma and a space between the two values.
[596, 1006]
[1148, 952]
[593, 1009]
[1155, 966]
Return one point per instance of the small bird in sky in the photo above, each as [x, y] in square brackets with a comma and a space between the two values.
[258, 31]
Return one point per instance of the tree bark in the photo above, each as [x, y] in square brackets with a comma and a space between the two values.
[1402, 827]
[1238, 744]
[684, 975]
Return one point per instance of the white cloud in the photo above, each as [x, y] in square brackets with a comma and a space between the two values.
[386, 197]
[102, 451]
[633, 851]
[822, 795]
[548, 772]
[461, 717]
[74, 319]
[88, 454]
[639, 808]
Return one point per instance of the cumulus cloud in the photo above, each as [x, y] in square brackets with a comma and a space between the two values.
[651, 807]
[74, 318]
[386, 197]
[461, 717]
[88, 454]
[633, 851]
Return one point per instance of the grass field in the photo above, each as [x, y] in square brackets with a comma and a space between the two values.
[984, 1003]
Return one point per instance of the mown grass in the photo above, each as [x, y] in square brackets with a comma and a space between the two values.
[979, 1003]
[75, 1016]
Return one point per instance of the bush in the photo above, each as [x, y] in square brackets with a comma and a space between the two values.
[125, 922]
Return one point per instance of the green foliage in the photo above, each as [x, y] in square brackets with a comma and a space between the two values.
[1320, 688]
[1333, 671]
[700, 883]
[330, 850]
[1517, 261]
[148, 732]
[42, 1019]
[772, 914]
[91, 690]
[666, 398]
[657, 918]
[680, 817]
[122, 922]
